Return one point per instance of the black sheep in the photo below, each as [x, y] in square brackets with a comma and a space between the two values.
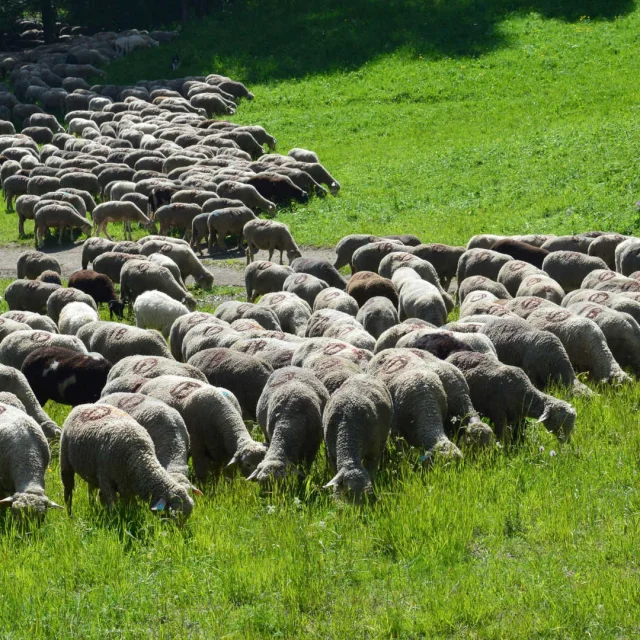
[99, 287]
[278, 189]
[521, 251]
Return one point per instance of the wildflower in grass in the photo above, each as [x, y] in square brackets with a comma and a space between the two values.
[271, 509]
[552, 453]
[541, 449]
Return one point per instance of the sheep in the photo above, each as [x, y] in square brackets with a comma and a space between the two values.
[234, 310]
[65, 376]
[583, 341]
[262, 277]
[603, 247]
[419, 298]
[606, 280]
[61, 216]
[626, 256]
[212, 416]
[24, 460]
[24, 209]
[183, 325]
[369, 256]
[208, 335]
[333, 298]
[539, 354]
[276, 353]
[62, 297]
[138, 276]
[305, 286]
[480, 283]
[166, 428]
[75, 315]
[441, 342]
[313, 348]
[290, 413]
[621, 331]
[29, 295]
[194, 196]
[277, 189]
[184, 257]
[12, 187]
[242, 374]
[356, 422]
[314, 169]
[13, 381]
[541, 287]
[166, 262]
[377, 315]
[506, 396]
[178, 215]
[616, 301]
[156, 310]
[50, 277]
[270, 236]
[389, 338]
[332, 371]
[293, 312]
[93, 247]
[99, 287]
[19, 344]
[247, 194]
[110, 263]
[81, 180]
[118, 211]
[570, 268]
[40, 185]
[329, 323]
[481, 262]
[364, 285]
[513, 272]
[8, 326]
[568, 243]
[111, 451]
[521, 251]
[32, 320]
[483, 303]
[524, 306]
[348, 245]
[303, 155]
[116, 341]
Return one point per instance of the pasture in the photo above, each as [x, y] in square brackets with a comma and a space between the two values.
[445, 121]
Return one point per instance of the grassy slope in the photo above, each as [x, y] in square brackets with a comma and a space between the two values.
[537, 133]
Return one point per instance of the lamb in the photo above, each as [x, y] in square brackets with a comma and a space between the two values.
[348, 245]
[293, 313]
[369, 256]
[444, 259]
[541, 287]
[65, 376]
[603, 247]
[333, 298]
[60, 298]
[247, 194]
[19, 344]
[521, 251]
[506, 396]
[13, 381]
[32, 320]
[139, 276]
[539, 354]
[570, 268]
[329, 323]
[111, 451]
[583, 341]
[118, 211]
[99, 287]
[29, 295]
[156, 310]
[212, 416]
[93, 247]
[514, 272]
[262, 277]
[116, 341]
[305, 286]
[364, 285]
[290, 413]
[24, 459]
[31, 264]
[58, 215]
[356, 422]
[481, 262]
[184, 257]
[166, 428]
[270, 236]
[242, 374]
[480, 283]
[178, 215]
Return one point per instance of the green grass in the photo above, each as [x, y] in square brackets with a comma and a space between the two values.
[443, 119]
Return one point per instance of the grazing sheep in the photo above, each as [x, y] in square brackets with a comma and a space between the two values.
[93, 247]
[603, 247]
[270, 236]
[329, 323]
[13, 381]
[276, 353]
[481, 262]
[75, 315]
[623, 302]
[419, 298]
[568, 243]
[233, 310]
[627, 256]
[442, 342]
[293, 312]
[444, 259]
[29, 295]
[605, 280]
[332, 371]
[177, 215]
[514, 272]
[333, 298]
[290, 413]
[183, 325]
[229, 221]
[313, 348]
[62, 297]
[570, 268]
[12, 187]
[183, 256]
[242, 374]
[303, 155]
[541, 287]
[583, 341]
[348, 245]
[110, 263]
[480, 283]
[305, 286]
[50, 277]
[212, 416]
[32, 320]
[277, 189]
[25, 209]
[521, 251]
[357, 421]
[98, 286]
[248, 195]
[377, 315]
[65, 376]
[31, 264]
[156, 310]
[524, 306]
[58, 215]
[506, 396]
[208, 335]
[81, 180]
[365, 285]
[389, 338]
[24, 460]
[166, 428]
[8, 327]
[483, 303]
[118, 211]
[369, 256]
[262, 277]
[539, 354]
[483, 241]
[19, 344]
[111, 451]
[321, 269]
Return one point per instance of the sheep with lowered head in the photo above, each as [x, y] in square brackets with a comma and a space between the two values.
[270, 236]
[334, 298]
[31, 264]
[156, 310]
[262, 277]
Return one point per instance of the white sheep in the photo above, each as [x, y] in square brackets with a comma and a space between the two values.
[75, 315]
[157, 310]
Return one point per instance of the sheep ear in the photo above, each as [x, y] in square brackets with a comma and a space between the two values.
[233, 461]
[160, 505]
[7, 502]
[253, 476]
[196, 491]
[336, 481]
[545, 414]
[53, 505]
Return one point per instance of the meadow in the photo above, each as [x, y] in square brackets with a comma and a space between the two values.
[443, 119]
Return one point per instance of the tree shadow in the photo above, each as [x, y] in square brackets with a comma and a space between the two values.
[280, 39]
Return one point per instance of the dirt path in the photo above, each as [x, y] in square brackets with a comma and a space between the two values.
[227, 269]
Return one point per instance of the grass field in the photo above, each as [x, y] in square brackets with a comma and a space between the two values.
[443, 119]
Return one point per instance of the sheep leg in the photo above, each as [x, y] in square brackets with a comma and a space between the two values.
[271, 255]
[68, 480]
[201, 465]
[60, 235]
[108, 495]
[106, 233]
[281, 251]
[21, 227]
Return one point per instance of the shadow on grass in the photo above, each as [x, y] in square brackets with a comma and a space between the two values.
[279, 39]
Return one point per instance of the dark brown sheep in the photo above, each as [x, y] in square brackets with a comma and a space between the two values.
[364, 285]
